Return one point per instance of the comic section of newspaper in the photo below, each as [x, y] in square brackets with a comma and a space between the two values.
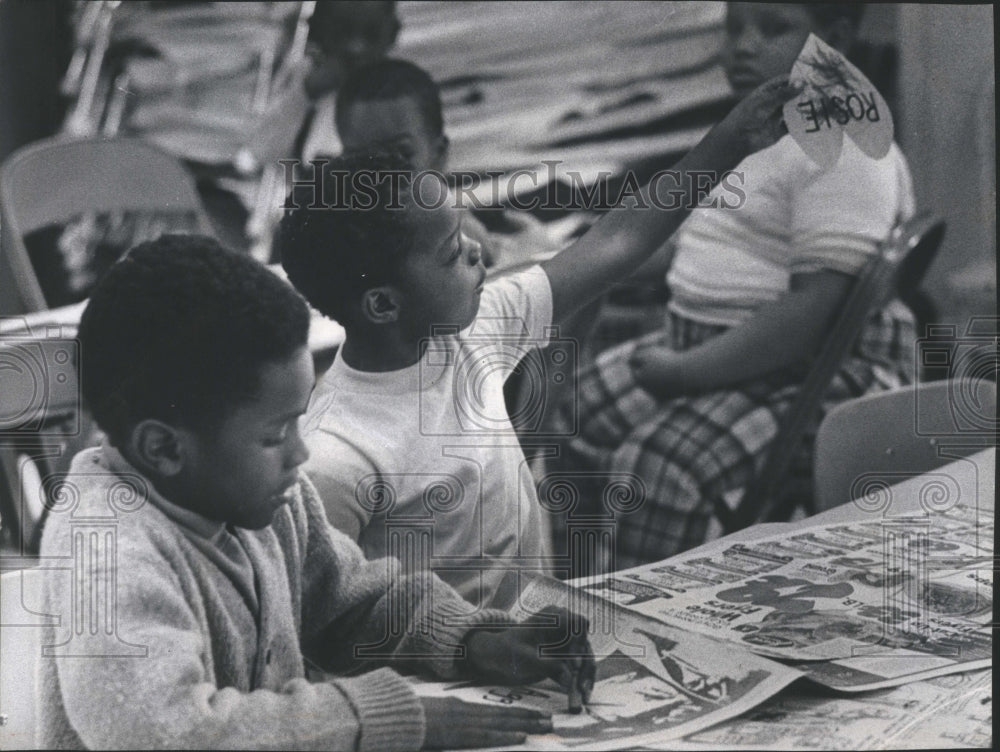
[948, 712]
[855, 606]
[654, 682]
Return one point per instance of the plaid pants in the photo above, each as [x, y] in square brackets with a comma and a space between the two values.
[691, 452]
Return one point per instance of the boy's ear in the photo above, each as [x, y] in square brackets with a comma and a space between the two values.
[158, 447]
[380, 305]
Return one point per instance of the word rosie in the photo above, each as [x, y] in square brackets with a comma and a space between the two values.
[825, 111]
[429, 189]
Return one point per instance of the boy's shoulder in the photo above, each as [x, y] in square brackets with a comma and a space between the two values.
[96, 494]
[514, 305]
[97, 485]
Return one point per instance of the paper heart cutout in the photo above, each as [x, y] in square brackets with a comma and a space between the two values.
[836, 98]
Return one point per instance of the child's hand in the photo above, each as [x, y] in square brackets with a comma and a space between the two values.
[453, 724]
[512, 655]
[756, 121]
[652, 367]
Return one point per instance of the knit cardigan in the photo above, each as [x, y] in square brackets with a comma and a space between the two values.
[180, 658]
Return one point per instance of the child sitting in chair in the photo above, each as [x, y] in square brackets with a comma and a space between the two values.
[693, 407]
[394, 105]
[199, 561]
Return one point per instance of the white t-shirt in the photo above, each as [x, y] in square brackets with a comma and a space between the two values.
[428, 451]
[796, 218]
[322, 139]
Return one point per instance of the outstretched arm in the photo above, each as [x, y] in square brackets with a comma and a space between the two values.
[626, 236]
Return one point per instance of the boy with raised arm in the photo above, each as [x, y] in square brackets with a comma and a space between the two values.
[409, 424]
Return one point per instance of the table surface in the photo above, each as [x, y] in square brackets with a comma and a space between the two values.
[974, 478]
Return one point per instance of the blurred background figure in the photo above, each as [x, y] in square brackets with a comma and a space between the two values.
[343, 37]
[395, 106]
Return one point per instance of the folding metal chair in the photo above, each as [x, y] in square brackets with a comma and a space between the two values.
[56, 180]
[900, 432]
[896, 270]
[48, 183]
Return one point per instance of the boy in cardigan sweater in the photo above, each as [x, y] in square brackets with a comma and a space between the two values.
[206, 579]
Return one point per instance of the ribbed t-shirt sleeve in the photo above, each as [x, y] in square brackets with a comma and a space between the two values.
[517, 307]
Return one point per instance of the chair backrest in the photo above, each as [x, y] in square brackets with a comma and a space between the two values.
[54, 180]
[22, 482]
[916, 240]
[21, 623]
[907, 431]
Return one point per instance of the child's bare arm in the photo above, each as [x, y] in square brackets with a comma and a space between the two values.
[779, 334]
[652, 274]
[625, 237]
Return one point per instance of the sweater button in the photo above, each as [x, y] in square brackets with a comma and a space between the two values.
[267, 657]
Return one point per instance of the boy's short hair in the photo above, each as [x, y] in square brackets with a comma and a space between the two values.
[828, 13]
[327, 21]
[334, 254]
[391, 79]
[178, 330]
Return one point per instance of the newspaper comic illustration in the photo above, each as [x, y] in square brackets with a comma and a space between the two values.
[654, 682]
[856, 606]
[947, 712]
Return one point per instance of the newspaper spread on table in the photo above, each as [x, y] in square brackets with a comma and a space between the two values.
[899, 607]
[654, 682]
[943, 713]
[855, 605]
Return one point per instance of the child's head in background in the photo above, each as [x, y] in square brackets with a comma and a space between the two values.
[349, 34]
[195, 363]
[393, 105]
[763, 40]
[398, 261]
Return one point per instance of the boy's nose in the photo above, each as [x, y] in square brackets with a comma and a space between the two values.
[475, 251]
[298, 452]
[747, 42]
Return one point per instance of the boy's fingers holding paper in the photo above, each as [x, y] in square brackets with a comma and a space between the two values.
[758, 118]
